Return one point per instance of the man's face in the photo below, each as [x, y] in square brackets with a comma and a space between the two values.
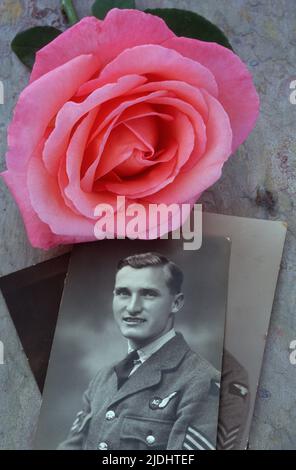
[143, 304]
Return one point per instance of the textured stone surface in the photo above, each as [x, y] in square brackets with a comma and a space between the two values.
[259, 181]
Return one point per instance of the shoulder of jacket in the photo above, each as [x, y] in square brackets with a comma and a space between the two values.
[102, 376]
[200, 368]
[233, 369]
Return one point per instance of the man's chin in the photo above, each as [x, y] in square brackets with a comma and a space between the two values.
[134, 334]
[128, 334]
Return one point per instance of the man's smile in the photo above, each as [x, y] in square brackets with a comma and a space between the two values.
[133, 320]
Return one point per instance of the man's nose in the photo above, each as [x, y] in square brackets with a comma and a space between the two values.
[134, 305]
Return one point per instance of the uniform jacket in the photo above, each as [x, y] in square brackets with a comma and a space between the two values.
[170, 402]
[234, 404]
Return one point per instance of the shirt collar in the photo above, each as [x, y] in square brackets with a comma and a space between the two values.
[151, 348]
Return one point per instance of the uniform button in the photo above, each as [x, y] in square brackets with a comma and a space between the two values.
[103, 446]
[110, 415]
[150, 440]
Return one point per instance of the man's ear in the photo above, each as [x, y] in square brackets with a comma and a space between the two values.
[178, 302]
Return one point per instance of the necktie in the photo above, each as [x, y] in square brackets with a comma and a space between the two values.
[124, 368]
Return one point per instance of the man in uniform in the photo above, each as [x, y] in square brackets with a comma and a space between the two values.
[162, 395]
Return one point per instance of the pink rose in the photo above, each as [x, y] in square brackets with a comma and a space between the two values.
[122, 107]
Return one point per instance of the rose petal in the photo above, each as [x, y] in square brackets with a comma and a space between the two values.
[208, 169]
[237, 93]
[122, 109]
[120, 29]
[119, 147]
[181, 90]
[161, 61]
[195, 119]
[195, 99]
[38, 104]
[88, 178]
[164, 173]
[142, 110]
[146, 130]
[137, 163]
[71, 112]
[84, 203]
[52, 210]
[144, 184]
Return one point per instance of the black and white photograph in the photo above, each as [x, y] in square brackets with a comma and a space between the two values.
[33, 296]
[140, 333]
[256, 252]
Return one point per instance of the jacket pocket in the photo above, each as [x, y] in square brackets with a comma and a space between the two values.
[140, 433]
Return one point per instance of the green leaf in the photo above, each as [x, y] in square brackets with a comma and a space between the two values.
[191, 25]
[101, 7]
[28, 42]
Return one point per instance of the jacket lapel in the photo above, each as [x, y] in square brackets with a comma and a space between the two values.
[148, 374]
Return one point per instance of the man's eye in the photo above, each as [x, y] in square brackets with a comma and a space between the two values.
[122, 293]
[150, 294]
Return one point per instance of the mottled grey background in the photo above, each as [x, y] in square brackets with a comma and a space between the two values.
[259, 181]
[88, 339]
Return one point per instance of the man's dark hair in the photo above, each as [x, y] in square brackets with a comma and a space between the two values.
[174, 275]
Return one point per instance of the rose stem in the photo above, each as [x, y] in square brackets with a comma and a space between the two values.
[70, 11]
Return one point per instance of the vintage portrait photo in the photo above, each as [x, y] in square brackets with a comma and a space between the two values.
[251, 289]
[137, 353]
